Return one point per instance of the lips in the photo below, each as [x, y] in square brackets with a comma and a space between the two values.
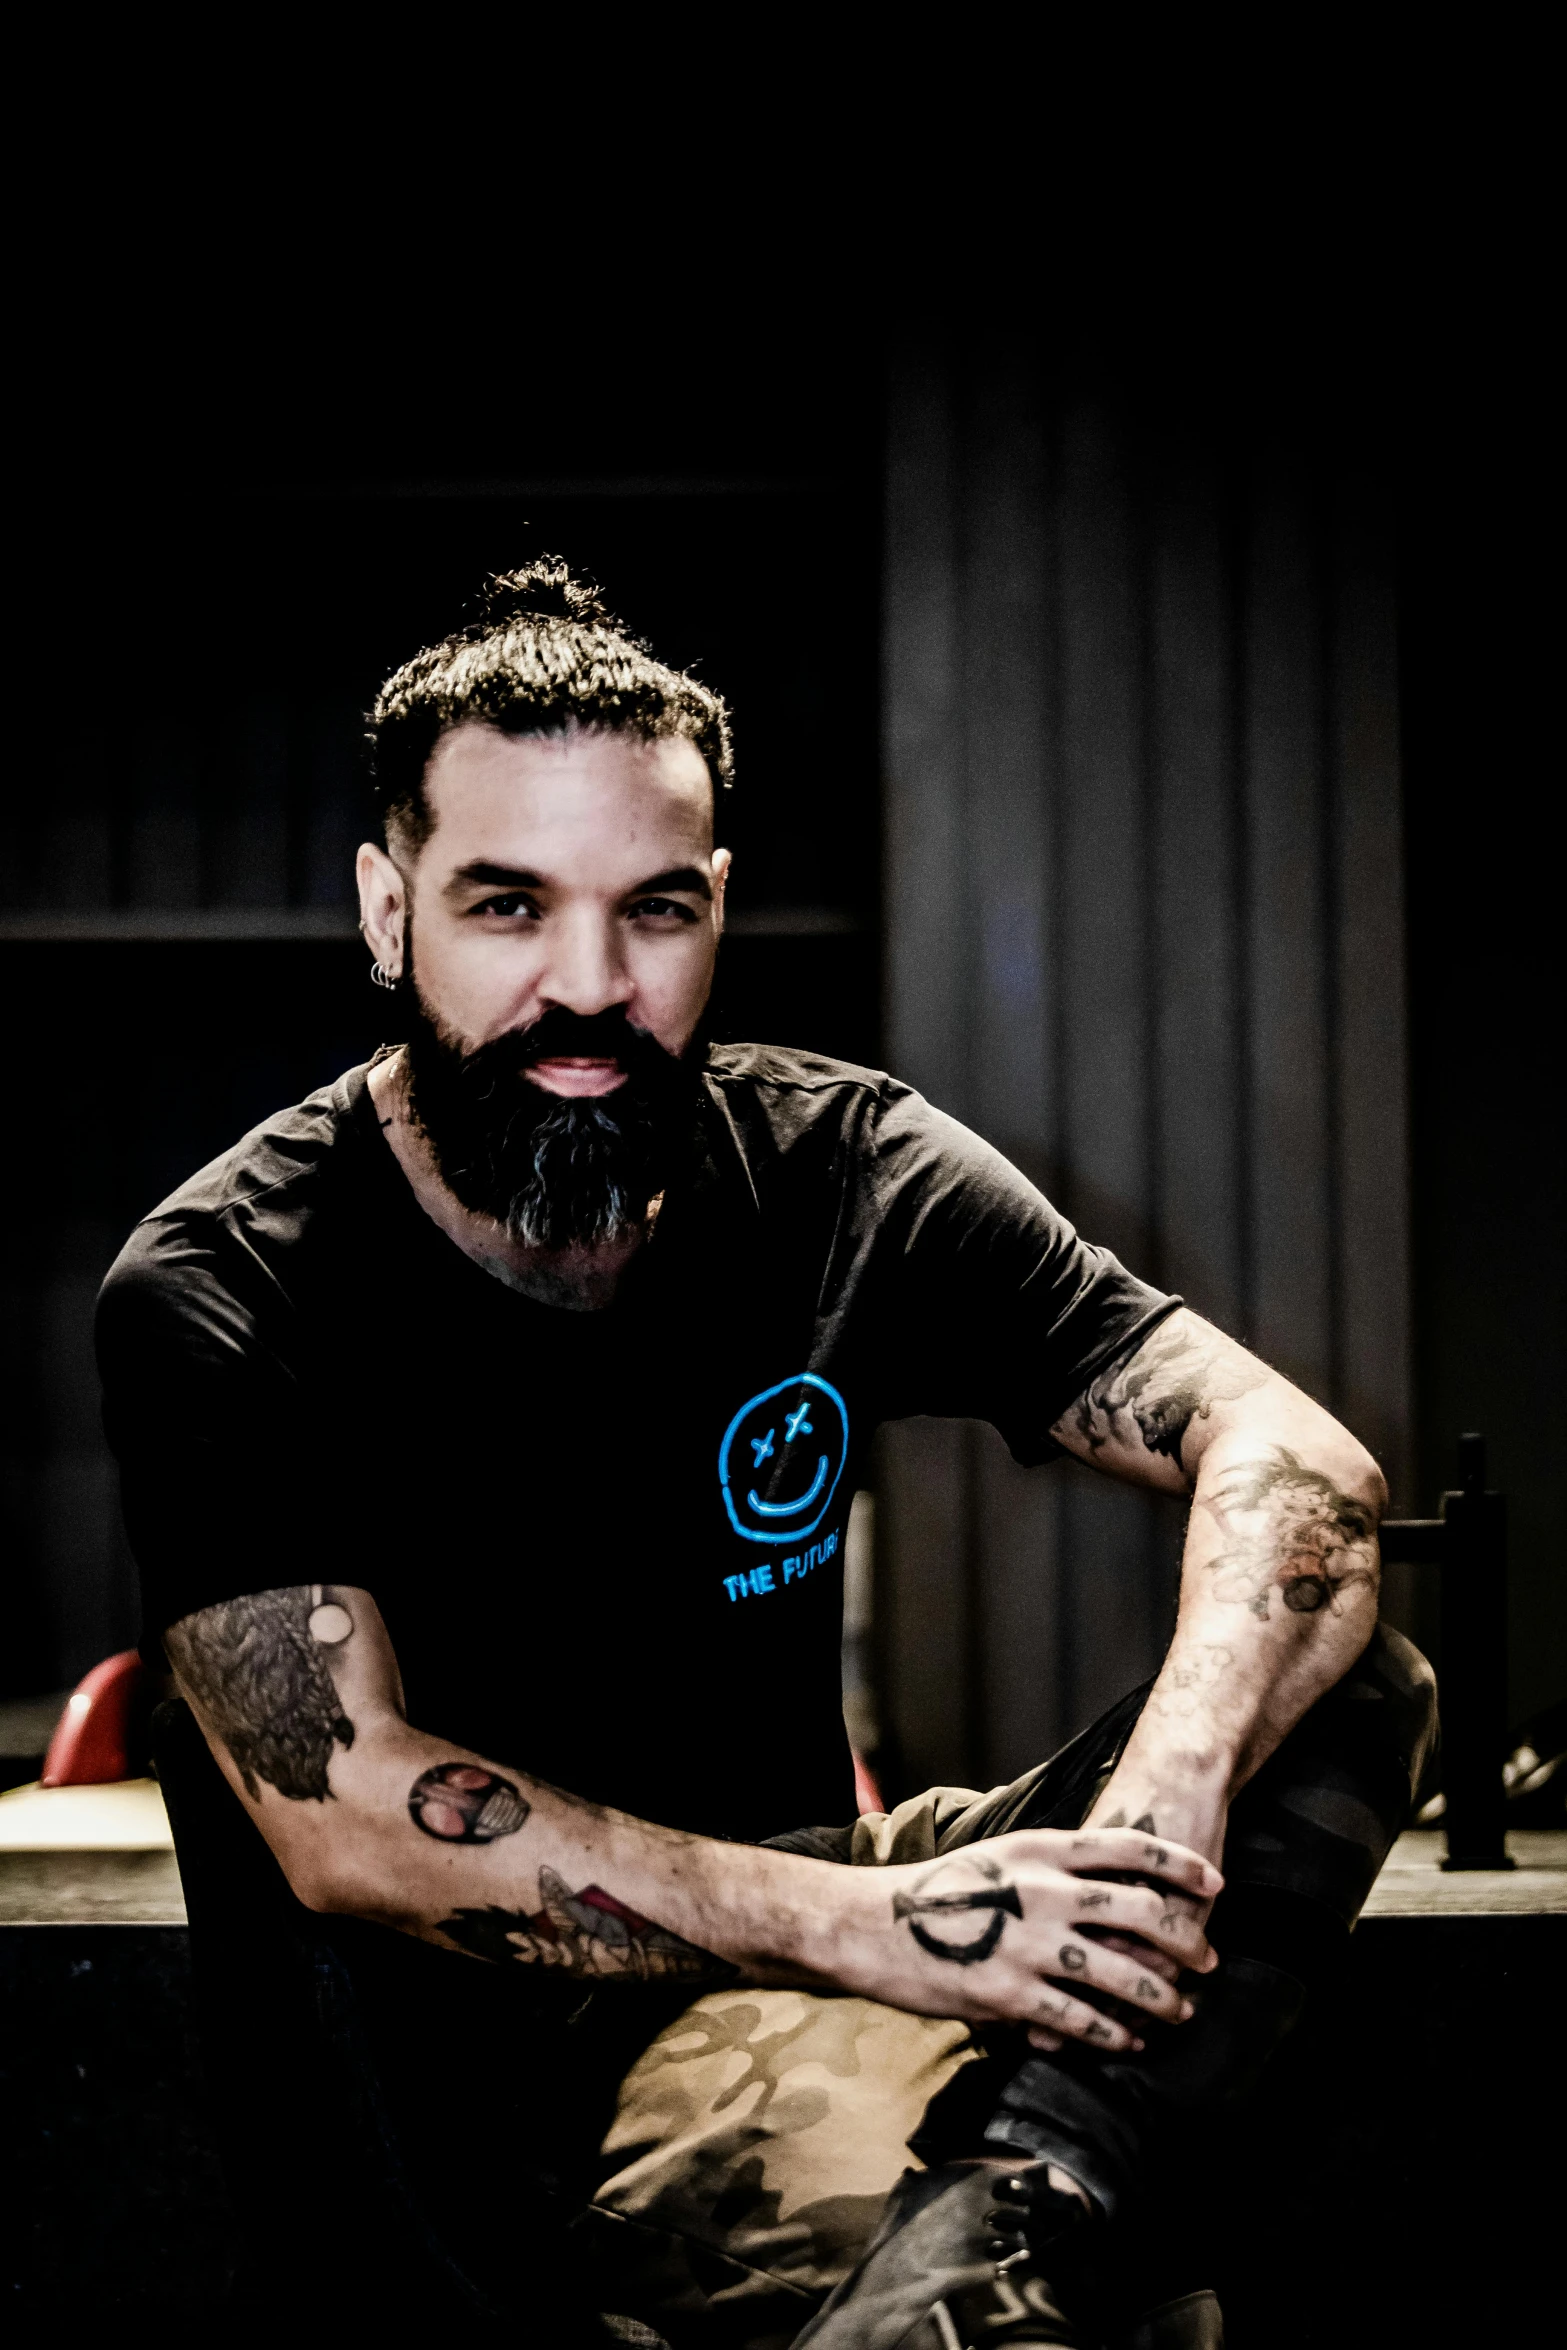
[577, 1078]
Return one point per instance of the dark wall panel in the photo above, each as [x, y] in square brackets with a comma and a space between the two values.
[1143, 932]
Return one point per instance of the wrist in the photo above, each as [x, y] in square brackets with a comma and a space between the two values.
[762, 1911]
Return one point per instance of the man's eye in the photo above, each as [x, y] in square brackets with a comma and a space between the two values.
[509, 906]
[661, 908]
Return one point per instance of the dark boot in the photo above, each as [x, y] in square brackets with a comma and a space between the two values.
[1191, 2323]
[968, 2254]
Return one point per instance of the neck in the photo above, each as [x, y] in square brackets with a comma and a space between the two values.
[579, 1279]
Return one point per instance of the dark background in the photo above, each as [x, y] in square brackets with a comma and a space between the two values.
[262, 461]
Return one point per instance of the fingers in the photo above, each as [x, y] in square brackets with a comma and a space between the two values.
[1129, 1947]
[1166, 1925]
[1083, 1962]
[1046, 2041]
[1062, 2018]
[1092, 1850]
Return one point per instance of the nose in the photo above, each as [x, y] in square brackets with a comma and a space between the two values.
[587, 971]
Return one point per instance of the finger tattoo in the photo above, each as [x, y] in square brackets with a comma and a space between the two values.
[1073, 1957]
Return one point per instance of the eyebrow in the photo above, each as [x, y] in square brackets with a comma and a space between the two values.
[494, 876]
[486, 876]
[687, 877]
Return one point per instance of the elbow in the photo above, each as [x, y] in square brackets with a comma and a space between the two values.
[332, 1880]
[317, 1885]
[1372, 1483]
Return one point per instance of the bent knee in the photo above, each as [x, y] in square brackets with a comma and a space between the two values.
[1392, 1672]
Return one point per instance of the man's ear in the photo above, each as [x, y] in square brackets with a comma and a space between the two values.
[722, 860]
[383, 907]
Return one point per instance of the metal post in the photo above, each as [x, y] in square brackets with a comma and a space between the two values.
[1474, 1666]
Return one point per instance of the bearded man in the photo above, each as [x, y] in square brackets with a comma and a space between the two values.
[488, 1425]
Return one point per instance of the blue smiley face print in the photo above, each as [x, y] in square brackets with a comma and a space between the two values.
[782, 1457]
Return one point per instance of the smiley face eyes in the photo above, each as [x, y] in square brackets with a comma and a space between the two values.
[797, 1435]
[795, 1424]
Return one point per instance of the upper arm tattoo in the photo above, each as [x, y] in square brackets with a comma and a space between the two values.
[258, 1670]
[1176, 1376]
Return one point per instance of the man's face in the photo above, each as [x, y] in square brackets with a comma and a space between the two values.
[559, 928]
[575, 873]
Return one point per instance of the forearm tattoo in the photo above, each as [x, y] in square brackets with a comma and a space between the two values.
[586, 1933]
[258, 1671]
[1288, 1528]
[464, 1804]
[963, 1886]
[1176, 1376]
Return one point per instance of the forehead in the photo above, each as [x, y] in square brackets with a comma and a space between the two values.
[581, 805]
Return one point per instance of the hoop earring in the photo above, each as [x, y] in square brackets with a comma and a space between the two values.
[390, 980]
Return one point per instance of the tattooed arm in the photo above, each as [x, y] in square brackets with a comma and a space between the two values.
[1279, 1581]
[300, 1699]
[299, 1696]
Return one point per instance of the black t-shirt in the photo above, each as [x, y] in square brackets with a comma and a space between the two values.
[608, 1546]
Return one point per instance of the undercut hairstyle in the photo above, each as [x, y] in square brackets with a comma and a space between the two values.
[541, 656]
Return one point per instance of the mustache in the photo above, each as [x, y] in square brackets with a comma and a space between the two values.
[560, 1035]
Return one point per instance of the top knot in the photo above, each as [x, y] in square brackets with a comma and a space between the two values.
[544, 590]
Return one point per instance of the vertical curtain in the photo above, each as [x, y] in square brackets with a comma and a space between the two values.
[1144, 931]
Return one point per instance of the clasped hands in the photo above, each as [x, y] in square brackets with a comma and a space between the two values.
[1019, 1928]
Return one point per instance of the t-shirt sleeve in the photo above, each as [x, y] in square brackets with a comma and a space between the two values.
[993, 1306]
[221, 1491]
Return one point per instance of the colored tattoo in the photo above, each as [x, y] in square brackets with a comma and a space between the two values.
[257, 1669]
[1288, 1528]
[949, 1890]
[586, 1933]
[1176, 1376]
[464, 1804]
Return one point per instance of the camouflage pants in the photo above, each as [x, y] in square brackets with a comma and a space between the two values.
[757, 2138]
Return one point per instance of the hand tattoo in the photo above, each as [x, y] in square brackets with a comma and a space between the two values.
[1176, 1376]
[949, 1889]
[1072, 1958]
[1309, 1540]
[257, 1669]
[462, 1804]
[586, 1933]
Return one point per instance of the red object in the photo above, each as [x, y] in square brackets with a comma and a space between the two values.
[91, 1741]
[866, 1792]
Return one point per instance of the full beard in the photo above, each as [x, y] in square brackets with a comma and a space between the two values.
[555, 1173]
